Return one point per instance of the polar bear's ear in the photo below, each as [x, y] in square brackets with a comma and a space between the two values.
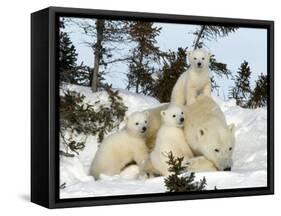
[231, 128]
[189, 53]
[210, 55]
[163, 113]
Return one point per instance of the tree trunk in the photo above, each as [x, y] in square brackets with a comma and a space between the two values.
[137, 86]
[97, 53]
[196, 44]
[138, 76]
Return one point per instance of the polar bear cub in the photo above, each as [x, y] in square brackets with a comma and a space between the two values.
[170, 138]
[195, 81]
[123, 147]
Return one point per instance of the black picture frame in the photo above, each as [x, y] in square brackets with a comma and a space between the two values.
[45, 99]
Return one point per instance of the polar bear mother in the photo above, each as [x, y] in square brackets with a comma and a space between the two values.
[206, 132]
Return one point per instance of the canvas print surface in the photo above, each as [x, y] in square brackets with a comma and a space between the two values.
[150, 107]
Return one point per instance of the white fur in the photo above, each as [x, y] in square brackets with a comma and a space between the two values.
[208, 134]
[195, 81]
[203, 114]
[154, 125]
[170, 138]
[200, 164]
[123, 147]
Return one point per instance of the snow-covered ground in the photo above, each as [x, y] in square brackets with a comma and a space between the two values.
[249, 156]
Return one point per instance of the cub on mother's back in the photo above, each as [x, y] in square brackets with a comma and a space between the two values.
[122, 147]
[195, 81]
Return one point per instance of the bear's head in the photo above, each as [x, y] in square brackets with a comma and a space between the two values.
[216, 144]
[199, 59]
[173, 116]
[137, 123]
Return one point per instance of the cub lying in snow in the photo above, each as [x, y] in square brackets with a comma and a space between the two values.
[170, 138]
[195, 81]
[123, 147]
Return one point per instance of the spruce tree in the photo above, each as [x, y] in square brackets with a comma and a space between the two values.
[79, 117]
[179, 180]
[69, 71]
[259, 95]
[242, 89]
[174, 65]
[209, 33]
[67, 56]
[104, 36]
[144, 56]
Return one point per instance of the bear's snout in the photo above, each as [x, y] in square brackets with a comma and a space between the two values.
[227, 169]
[181, 119]
[199, 64]
[143, 129]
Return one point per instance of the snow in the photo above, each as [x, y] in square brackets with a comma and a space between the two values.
[249, 155]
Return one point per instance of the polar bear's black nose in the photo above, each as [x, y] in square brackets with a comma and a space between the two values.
[227, 169]
[182, 119]
[199, 64]
[144, 129]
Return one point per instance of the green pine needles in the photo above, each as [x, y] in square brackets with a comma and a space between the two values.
[179, 180]
[78, 117]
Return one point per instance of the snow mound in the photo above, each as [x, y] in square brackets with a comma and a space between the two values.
[249, 156]
[134, 102]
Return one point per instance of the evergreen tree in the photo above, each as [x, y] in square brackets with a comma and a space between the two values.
[219, 70]
[144, 56]
[67, 56]
[174, 65]
[259, 95]
[209, 33]
[178, 180]
[242, 89]
[103, 36]
[79, 117]
[69, 71]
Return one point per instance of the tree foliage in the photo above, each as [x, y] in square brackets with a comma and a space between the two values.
[79, 117]
[143, 56]
[259, 95]
[174, 65]
[104, 37]
[241, 90]
[179, 180]
[68, 69]
[67, 57]
[209, 33]
[219, 70]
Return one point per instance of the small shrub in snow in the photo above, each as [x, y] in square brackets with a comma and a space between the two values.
[178, 180]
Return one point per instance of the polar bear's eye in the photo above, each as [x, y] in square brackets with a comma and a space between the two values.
[203, 58]
[182, 113]
[194, 58]
[137, 123]
[230, 148]
[217, 150]
[145, 122]
[174, 116]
